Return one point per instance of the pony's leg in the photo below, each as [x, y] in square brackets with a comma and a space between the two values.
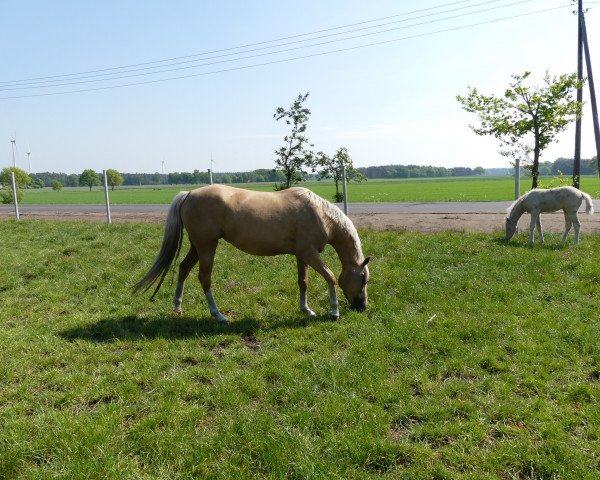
[315, 261]
[539, 228]
[568, 224]
[303, 285]
[576, 225]
[532, 225]
[206, 256]
[184, 270]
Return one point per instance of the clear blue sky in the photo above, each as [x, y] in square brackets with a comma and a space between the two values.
[391, 103]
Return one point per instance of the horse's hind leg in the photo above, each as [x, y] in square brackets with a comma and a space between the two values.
[576, 225]
[303, 285]
[206, 256]
[568, 224]
[184, 270]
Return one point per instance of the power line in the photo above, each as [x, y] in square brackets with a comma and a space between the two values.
[245, 67]
[246, 45]
[318, 44]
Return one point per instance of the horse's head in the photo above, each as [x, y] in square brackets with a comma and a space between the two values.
[353, 282]
[511, 228]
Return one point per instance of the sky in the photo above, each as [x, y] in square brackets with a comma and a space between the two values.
[160, 86]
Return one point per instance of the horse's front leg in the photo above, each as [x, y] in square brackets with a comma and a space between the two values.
[315, 261]
[532, 225]
[539, 228]
[184, 270]
[206, 256]
[303, 285]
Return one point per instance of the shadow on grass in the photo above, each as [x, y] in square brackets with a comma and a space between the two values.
[171, 327]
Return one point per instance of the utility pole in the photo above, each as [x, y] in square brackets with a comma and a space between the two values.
[594, 104]
[577, 156]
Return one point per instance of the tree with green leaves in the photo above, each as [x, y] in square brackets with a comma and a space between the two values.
[113, 178]
[294, 156]
[22, 180]
[331, 167]
[526, 117]
[57, 186]
[89, 178]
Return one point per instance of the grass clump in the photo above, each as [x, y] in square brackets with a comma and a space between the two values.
[475, 359]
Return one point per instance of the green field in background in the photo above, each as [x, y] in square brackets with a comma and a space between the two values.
[462, 189]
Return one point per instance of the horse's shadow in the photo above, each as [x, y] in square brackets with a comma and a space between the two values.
[132, 328]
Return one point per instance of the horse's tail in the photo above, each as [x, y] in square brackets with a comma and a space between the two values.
[589, 205]
[169, 250]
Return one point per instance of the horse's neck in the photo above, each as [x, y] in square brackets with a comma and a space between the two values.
[347, 245]
[516, 212]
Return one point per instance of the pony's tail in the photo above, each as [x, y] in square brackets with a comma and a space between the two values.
[589, 205]
[169, 250]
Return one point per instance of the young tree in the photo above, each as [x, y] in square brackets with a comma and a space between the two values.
[294, 155]
[57, 186]
[22, 180]
[113, 178]
[331, 167]
[89, 178]
[526, 115]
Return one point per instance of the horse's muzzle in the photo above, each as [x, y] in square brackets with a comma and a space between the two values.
[359, 306]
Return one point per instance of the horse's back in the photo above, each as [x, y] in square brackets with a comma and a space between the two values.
[261, 223]
[553, 199]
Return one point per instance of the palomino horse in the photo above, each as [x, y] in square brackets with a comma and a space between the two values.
[293, 221]
[567, 199]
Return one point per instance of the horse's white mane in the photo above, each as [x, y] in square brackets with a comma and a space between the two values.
[335, 216]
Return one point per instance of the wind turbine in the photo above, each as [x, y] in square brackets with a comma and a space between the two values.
[29, 159]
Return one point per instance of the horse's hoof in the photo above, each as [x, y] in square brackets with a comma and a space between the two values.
[310, 313]
[178, 313]
[333, 316]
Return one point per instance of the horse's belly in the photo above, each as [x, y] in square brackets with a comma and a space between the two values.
[266, 244]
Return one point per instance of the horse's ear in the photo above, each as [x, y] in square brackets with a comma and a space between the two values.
[365, 261]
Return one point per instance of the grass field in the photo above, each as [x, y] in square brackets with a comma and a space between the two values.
[475, 359]
[377, 190]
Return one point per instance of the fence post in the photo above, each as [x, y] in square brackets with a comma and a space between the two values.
[14, 189]
[344, 189]
[106, 197]
[517, 178]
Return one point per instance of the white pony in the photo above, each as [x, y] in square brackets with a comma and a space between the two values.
[567, 199]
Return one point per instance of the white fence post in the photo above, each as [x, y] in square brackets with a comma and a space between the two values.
[14, 189]
[106, 197]
[344, 189]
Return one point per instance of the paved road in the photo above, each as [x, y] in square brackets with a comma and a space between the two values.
[379, 207]
[357, 208]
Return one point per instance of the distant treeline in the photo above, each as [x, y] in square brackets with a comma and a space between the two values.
[418, 171]
[561, 165]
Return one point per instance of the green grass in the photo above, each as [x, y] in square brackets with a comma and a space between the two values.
[376, 190]
[475, 359]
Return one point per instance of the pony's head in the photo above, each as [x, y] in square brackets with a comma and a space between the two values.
[353, 282]
[511, 228]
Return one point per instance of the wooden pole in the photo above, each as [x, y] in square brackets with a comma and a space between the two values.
[593, 102]
[577, 156]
